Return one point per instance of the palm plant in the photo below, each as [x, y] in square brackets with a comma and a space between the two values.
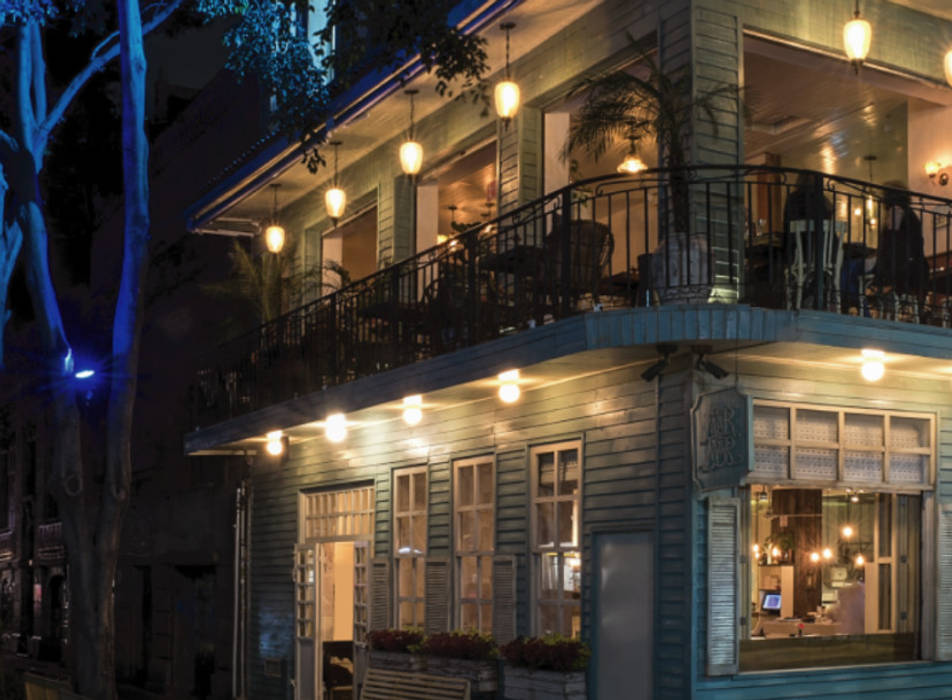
[621, 104]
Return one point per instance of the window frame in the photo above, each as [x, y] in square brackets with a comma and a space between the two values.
[480, 554]
[537, 551]
[419, 558]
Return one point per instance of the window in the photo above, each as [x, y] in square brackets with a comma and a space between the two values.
[338, 515]
[833, 530]
[557, 564]
[474, 517]
[409, 543]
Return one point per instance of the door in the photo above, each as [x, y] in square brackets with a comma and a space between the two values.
[306, 593]
[623, 630]
[361, 613]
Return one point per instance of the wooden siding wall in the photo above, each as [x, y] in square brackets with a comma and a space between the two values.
[784, 381]
[613, 413]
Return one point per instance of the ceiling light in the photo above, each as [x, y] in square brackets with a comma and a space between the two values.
[335, 427]
[334, 199]
[860, 560]
[827, 553]
[412, 411]
[857, 36]
[873, 367]
[507, 92]
[274, 444]
[847, 531]
[274, 234]
[509, 391]
[411, 152]
[948, 67]
[814, 557]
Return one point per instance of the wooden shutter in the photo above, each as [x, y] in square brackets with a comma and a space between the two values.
[379, 593]
[436, 583]
[504, 598]
[944, 584]
[723, 583]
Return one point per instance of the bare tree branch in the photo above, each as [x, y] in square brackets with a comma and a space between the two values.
[27, 119]
[39, 73]
[101, 56]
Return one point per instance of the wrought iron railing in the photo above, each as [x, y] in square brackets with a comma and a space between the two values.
[752, 234]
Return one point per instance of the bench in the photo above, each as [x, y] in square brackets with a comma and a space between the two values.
[400, 685]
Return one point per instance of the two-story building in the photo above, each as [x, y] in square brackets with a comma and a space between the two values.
[698, 417]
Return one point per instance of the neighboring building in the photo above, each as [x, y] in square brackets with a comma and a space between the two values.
[696, 478]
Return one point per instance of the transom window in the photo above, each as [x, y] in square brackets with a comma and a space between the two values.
[337, 515]
[474, 504]
[409, 543]
[556, 499]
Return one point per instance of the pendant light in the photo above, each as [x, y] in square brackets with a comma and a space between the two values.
[507, 92]
[274, 234]
[411, 152]
[948, 66]
[334, 199]
[857, 35]
[632, 163]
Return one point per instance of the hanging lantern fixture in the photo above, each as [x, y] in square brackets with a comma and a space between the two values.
[632, 163]
[411, 152]
[857, 35]
[507, 92]
[274, 234]
[334, 199]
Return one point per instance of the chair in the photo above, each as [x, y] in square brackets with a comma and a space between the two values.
[590, 252]
[801, 266]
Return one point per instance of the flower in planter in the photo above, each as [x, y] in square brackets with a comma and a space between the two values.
[460, 645]
[551, 652]
[395, 640]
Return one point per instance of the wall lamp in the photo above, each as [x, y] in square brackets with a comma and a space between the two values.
[937, 172]
[705, 365]
[658, 368]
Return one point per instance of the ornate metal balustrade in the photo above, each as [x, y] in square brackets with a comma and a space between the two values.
[769, 237]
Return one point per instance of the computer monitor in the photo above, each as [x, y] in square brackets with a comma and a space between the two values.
[770, 602]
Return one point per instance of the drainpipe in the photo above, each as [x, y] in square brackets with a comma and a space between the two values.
[238, 619]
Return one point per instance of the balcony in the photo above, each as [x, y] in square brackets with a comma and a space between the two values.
[49, 542]
[757, 235]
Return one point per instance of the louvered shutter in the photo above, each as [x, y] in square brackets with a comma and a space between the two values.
[436, 584]
[504, 599]
[944, 587]
[380, 593]
[723, 581]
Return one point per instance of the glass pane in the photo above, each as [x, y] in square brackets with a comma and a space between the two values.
[908, 469]
[568, 530]
[403, 535]
[862, 466]
[486, 484]
[885, 596]
[884, 504]
[467, 577]
[771, 423]
[486, 578]
[568, 472]
[466, 527]
[468, 619]
[548, 619]
[817, 426]
[906, 433]
[545, 524]
[485, 531]
[405, 578]
[545, 474]
[772, 460]
[419, 491]
[486, 618]
[419, 534]
[549, 576]
[571, 621]
[419, 614]
[572, 575]
[403, 493]
[863, 430]
[815, 463]
[420, 580]
[465, 487]
[406, 615]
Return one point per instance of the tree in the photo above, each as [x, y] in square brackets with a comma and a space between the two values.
[307, 76]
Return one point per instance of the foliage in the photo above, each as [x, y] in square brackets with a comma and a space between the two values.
[306, 73]
[551, 652]
[394, 640]
[460, 645]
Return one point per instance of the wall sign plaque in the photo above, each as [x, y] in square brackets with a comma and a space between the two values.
[723, 441]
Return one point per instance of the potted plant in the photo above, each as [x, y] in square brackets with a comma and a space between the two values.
[468, 655]
[393, 650]
[550, 667]
[659, 105]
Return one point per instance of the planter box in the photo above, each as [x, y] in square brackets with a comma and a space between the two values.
[482, 675]
[396, 661]
[528, 684]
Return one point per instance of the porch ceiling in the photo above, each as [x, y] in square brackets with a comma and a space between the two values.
[536, 21]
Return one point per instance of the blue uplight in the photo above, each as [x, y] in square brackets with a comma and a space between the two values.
[85, 373]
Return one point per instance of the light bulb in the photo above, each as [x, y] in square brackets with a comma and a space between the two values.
[507, 99]
[274, 445]
[873, 367]
[632, 164]
[756, 549]
[509, 391]
[933, 166]
[814, 557]
[335, 427]
[860, 560]
[274, 238]
[827, 553]
[857, 36]
[412, 411]
[775, 552]
[335, 200]
[847, 531]
[411, 157]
